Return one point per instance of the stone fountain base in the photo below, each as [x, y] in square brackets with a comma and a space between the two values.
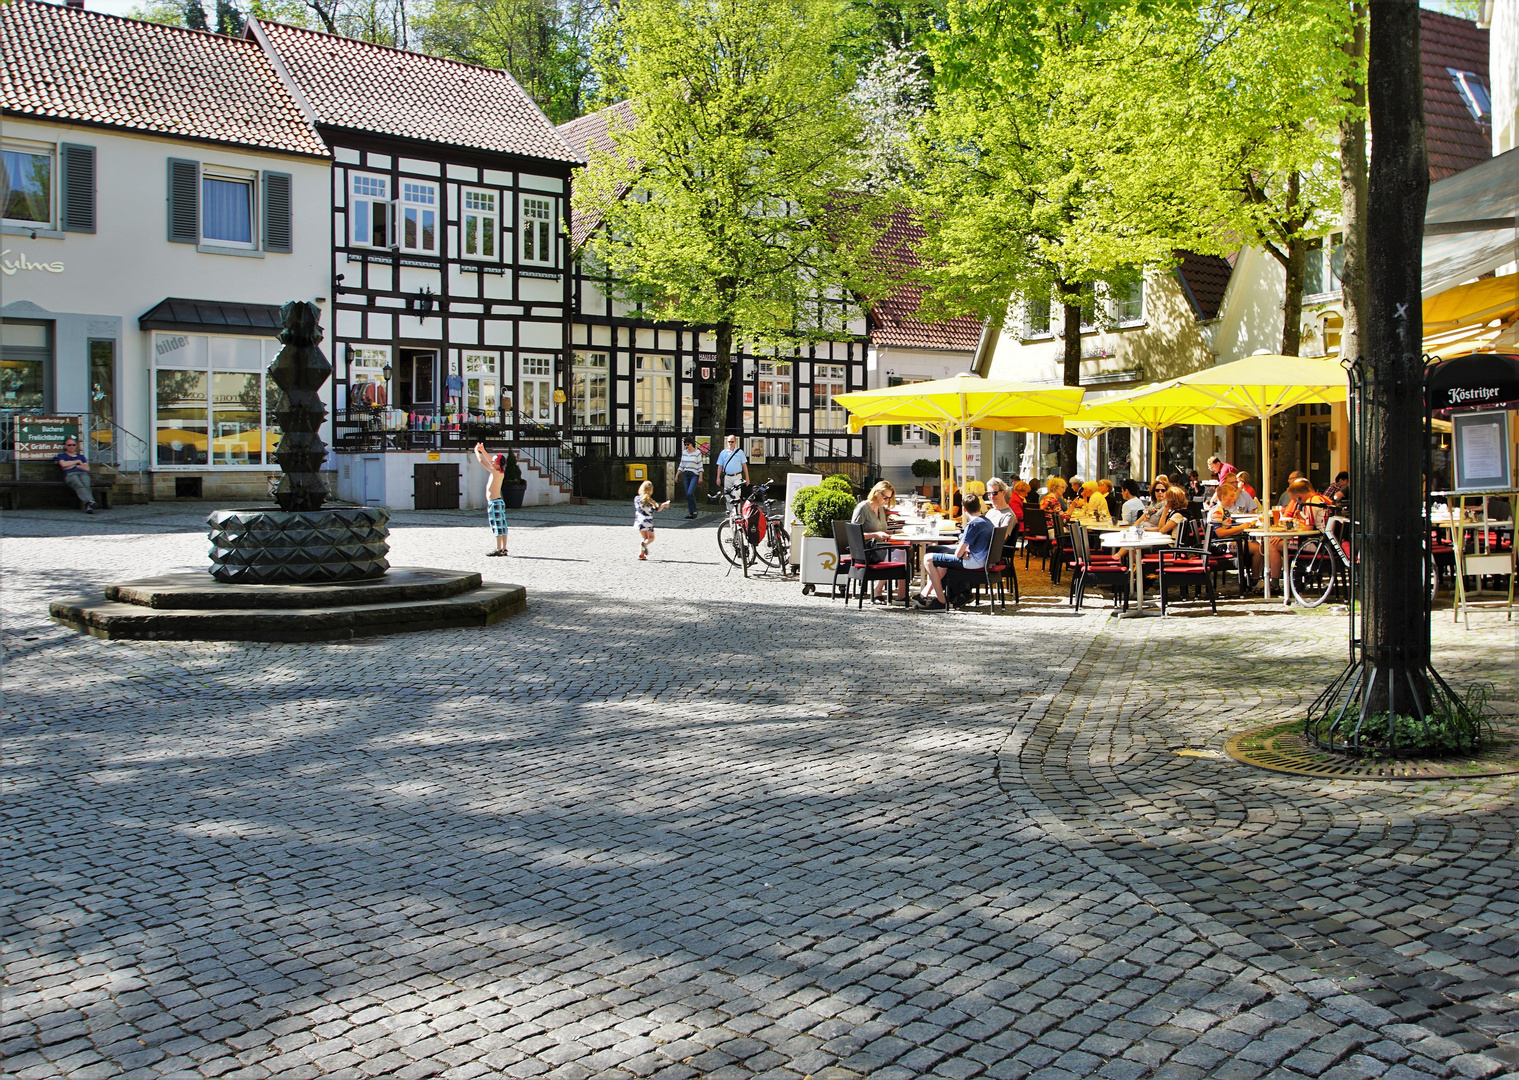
[190, 607]
[265, 547]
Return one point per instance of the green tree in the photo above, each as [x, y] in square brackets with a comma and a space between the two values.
[723, 206]
[545, 44]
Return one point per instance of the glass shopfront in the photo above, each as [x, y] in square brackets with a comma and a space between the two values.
[213, 406]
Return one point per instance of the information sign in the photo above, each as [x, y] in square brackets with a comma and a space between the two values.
[40, 438]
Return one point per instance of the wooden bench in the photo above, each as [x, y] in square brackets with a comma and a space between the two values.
[10, 490]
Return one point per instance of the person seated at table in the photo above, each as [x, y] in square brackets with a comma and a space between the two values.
[1194, 486]
[1286, 496]
[1172, 507]
[871, 516]
[1000, 512]
[1114, 500]
[1133, 506]
[1308, 509]
[1339, 491]
[1245, 485]
[1158, 487]
[1073, 486]
[1054, 496]
[941, 569]
[1224, 527]
[1019, 500]
[1090, 504]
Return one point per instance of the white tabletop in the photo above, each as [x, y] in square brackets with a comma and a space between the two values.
[1128, 539]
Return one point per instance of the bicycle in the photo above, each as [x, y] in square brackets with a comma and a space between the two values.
[748, 531]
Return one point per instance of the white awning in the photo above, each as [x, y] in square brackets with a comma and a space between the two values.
[1469, 223]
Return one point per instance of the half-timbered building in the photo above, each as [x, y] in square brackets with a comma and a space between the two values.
[639, 385]
[450, 275]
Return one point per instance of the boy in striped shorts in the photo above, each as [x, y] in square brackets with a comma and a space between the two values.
[495, 505]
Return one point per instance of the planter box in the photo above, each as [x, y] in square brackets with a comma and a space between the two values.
[818, 559]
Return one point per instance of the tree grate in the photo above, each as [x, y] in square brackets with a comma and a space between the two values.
[1284, 747]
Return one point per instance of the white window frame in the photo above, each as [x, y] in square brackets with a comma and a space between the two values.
[770, 414]
[379, 204]
[414, 208]
[487, 223]
[1030, 331]
[1328, 277]
[828, 381]
[50, 151]
[590, 369]
[1119, 299]
[535, 389]
[481, 370]
[247, 179]
[536, 231]
[268, 349]
[1469, 84]
[653, 390]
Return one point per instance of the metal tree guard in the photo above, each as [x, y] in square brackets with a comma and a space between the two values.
[1383, 683]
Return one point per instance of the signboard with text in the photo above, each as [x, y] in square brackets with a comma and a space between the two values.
[40, 438]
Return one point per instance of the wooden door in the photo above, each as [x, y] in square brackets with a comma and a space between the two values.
[435, 486]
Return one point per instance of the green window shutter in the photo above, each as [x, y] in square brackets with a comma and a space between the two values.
[277, 230]
[78, 189]
[184, 201]
[893, 431]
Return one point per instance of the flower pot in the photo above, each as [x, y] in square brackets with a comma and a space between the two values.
[513, 493]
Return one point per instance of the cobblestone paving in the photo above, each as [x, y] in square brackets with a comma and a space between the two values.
[675, 823]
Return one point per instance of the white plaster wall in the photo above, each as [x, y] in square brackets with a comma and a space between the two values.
[1251, 319]
[1503, 72]
[111, 277]
[887, 360]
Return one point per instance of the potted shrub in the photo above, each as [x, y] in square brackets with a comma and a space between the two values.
[818, 510]
[926, 469]
[513, 486]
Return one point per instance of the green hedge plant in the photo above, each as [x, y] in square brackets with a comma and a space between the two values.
[830, 504]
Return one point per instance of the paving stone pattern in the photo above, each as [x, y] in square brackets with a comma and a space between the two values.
[675, 823]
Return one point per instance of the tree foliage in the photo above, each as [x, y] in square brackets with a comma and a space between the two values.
[745, 136]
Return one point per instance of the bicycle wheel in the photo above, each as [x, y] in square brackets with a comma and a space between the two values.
[776, 549]
[731, 542]
[1312, 572]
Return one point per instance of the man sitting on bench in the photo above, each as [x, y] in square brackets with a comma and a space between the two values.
[76, 473]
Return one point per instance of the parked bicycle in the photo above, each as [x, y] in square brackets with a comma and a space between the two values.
[750, 530]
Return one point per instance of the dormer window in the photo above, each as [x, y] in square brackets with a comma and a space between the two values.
[1473, 90]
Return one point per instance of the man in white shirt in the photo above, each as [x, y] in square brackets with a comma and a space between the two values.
[690, 474]
[732, 465]
[1133, 505]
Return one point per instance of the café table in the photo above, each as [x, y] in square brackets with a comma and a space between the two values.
[917, 541]
[1127, 539]
[1281, 536]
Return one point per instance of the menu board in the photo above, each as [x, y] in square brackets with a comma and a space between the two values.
[40, 438]
[1483, 450]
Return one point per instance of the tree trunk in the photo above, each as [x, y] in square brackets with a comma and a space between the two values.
[1353, 194]
[1070, 298]
[723, 380]
[1283, 443]
[1395, 634]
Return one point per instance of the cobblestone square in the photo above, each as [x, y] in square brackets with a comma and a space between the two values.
[674, 823]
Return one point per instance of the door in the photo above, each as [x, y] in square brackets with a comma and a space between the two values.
[103, 399]
[536, 391]
[372, 481]
[435, 486]
[416, 382]
[1313, 444]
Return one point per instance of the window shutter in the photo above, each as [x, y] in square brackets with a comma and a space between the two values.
[78, 201]
[894, 431]
[277, 229]
[184, 201]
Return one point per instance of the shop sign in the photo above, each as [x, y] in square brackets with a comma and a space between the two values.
[9, 265]
[40, 438]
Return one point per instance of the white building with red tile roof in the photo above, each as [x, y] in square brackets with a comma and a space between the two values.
[163, 193]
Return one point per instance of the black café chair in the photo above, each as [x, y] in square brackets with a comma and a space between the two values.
[994, 576]
[843, 562]
[1036, 535]
[1189, 565]
[863, 571]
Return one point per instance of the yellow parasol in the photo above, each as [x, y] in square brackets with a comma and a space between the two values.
[1134, 408]
[944, 406]
[1260, 387]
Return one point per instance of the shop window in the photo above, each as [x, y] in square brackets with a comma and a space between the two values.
[102, 353]
[26, 184]
[419, 217]
[774, 398]
[654, 390]
[213, 405]
[26, 359]
[537, 230]
[367, 385]
[537, 390]
[828, 382]
[480, 224]
[369, 211]
[480, 383]
[590, 390]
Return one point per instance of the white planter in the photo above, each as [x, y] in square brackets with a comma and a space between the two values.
[818, 559]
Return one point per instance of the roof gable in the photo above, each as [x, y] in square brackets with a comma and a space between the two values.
[588, 135]
[894, 319]
[81, 66]
[357, 86]
[1205, 279]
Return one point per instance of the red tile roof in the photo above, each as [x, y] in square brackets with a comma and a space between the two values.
[84, 67]
[894, 318]
[362, 87]
[588, 135]
[1456, 140]
[1204, 278]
